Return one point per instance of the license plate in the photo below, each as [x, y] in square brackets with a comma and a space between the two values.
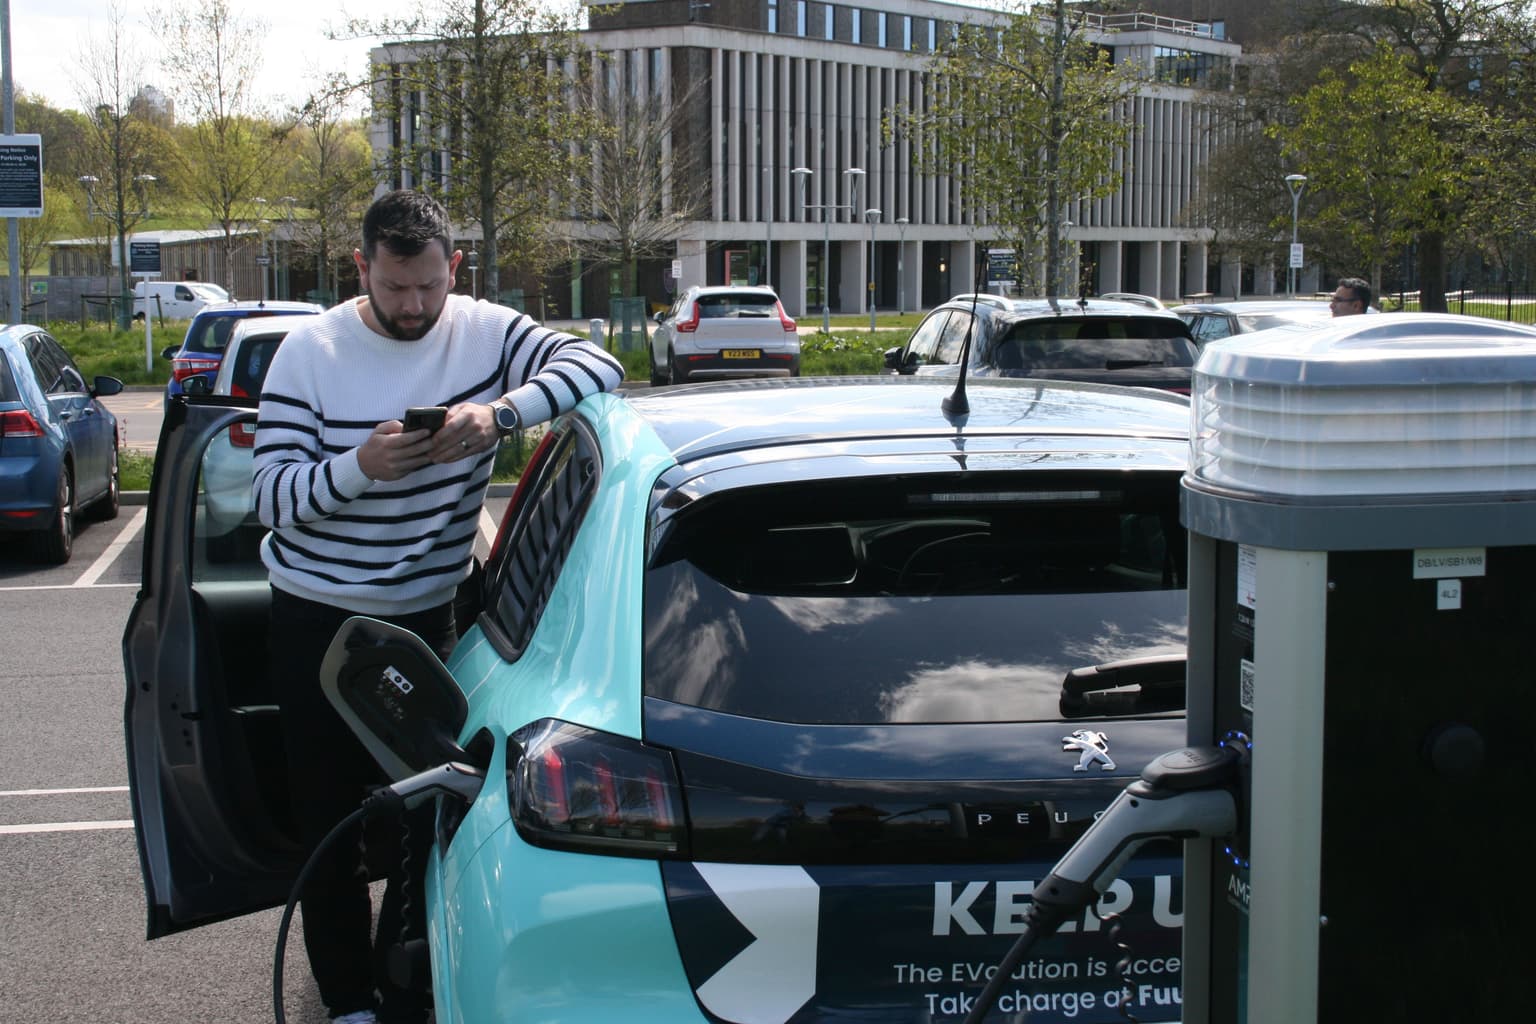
[741, 353]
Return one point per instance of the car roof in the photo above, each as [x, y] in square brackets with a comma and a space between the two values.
[1042, 307]
[733, 289]
[788, 418]
[1240, 306]
[244, 306]
[257, 325]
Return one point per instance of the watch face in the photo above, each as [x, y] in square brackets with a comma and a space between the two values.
[506, 418]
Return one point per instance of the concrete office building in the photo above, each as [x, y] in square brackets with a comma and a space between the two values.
[794, 83]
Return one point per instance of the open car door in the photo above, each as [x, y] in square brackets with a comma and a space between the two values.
[205, 757]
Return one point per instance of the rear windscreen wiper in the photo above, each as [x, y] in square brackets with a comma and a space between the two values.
[1131, 364]
[1135, 686]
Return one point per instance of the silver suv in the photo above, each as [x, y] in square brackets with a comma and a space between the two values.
[724, 331]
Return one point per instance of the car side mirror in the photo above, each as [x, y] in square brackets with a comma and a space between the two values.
[169, 352]
[197, 384]
[396, 696]
[893, 359]
[659, 317]
[104, 385]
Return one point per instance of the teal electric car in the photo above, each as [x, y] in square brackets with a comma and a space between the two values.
[779, 695]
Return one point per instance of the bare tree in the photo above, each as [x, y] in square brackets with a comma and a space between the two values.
[117, 142]
[228, 152]
[644, 179]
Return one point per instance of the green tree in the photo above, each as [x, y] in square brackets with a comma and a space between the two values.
[330, 174]
[1387, 160]
[229, 151]
[494, 86]
[1028, 113]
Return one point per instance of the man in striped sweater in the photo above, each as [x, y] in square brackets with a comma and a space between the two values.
[367, 518]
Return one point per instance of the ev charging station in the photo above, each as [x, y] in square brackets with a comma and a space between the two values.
[1361, 507]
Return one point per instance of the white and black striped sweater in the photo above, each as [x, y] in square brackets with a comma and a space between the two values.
[392, 547]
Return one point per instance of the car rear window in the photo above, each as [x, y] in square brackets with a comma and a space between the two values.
[1078, 343]
[8, 392]
[208, 334]
[900, 601]
[250, 369]
[713, 306]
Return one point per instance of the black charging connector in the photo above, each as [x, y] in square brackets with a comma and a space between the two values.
[1183, 794]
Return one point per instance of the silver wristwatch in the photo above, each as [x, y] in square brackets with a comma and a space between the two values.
[506, 417]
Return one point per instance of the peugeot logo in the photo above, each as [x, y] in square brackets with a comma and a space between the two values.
[1091, 746]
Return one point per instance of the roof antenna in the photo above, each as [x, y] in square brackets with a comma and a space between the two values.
[955, 404]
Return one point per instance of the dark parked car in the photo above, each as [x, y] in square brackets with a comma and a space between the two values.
[1100, 340]
[1212, 321]
[785, 692]
[201, 351]
[58, 444]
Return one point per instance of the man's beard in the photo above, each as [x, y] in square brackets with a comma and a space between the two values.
[398, 331]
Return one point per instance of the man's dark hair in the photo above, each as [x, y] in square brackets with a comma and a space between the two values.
[405, 222]
[1357, 285]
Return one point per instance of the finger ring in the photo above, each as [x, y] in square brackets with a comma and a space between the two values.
[464, 444]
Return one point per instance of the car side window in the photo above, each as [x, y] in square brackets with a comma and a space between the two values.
[923, 346]
[953, 339]
[549, 508]
[183, 293]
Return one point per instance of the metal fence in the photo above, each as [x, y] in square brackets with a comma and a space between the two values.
[1496, 301]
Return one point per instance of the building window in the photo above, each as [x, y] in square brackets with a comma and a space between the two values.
[800, 13]
[858, 25]
[906, 32]
[773, 15]
[933, 35]
[1188, 67]
[880, 32]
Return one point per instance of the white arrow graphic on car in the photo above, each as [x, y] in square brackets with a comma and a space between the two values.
[774, 976]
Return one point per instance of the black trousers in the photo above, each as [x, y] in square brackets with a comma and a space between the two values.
[329, 773]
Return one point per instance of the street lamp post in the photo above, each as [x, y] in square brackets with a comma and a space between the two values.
[261, 236]
[119, 216]
[285, 291]
[870, 215]
[474, 273]
[901, 276]
[766, 203]
[1297, 184]
[826, 233]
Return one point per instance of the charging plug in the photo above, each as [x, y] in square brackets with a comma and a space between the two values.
[1183, 794]
[452, 778]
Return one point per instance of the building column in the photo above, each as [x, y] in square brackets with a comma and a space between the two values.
[1195, 255]
[853, 259]
[1231, 279]
[694, 252]
[962, 267]
[1110, 267]
[789, 276]
[1150, 279]
[910, 275]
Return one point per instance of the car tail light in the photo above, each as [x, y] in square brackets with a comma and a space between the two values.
[19, 423]
[578, 789]
[784, 318]
[692, 323]
[243, 435]
[181, 368]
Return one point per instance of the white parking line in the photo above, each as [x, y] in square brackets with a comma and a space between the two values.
[487, 527]
[60, 792]
[62, 826]
[124, 537]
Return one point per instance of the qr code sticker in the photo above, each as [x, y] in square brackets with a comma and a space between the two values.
[1245, 684]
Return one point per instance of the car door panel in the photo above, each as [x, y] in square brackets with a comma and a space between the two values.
[206, 771]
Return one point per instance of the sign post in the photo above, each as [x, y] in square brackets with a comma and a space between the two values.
[21, 195]
[144, 263]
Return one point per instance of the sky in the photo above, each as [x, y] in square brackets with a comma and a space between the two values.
[49, 37]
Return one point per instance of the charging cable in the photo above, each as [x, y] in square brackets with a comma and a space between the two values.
[1183, 794]
[451, 779]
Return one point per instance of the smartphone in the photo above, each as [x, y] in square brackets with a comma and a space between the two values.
[425, 417]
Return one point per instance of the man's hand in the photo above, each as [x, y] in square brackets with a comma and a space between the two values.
[469, 430]
[390, 453]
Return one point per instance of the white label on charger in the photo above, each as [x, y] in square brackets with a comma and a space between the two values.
[1448, 595]
[1245, 684]
[1247, 576]
[1447, 563]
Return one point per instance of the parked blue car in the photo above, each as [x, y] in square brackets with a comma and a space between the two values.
[58, 444]
[782, 693]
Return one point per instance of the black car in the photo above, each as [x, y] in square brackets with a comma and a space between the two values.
[786, 692]
[1102, 340]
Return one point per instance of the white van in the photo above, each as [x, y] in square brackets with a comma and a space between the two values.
[174, 300]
